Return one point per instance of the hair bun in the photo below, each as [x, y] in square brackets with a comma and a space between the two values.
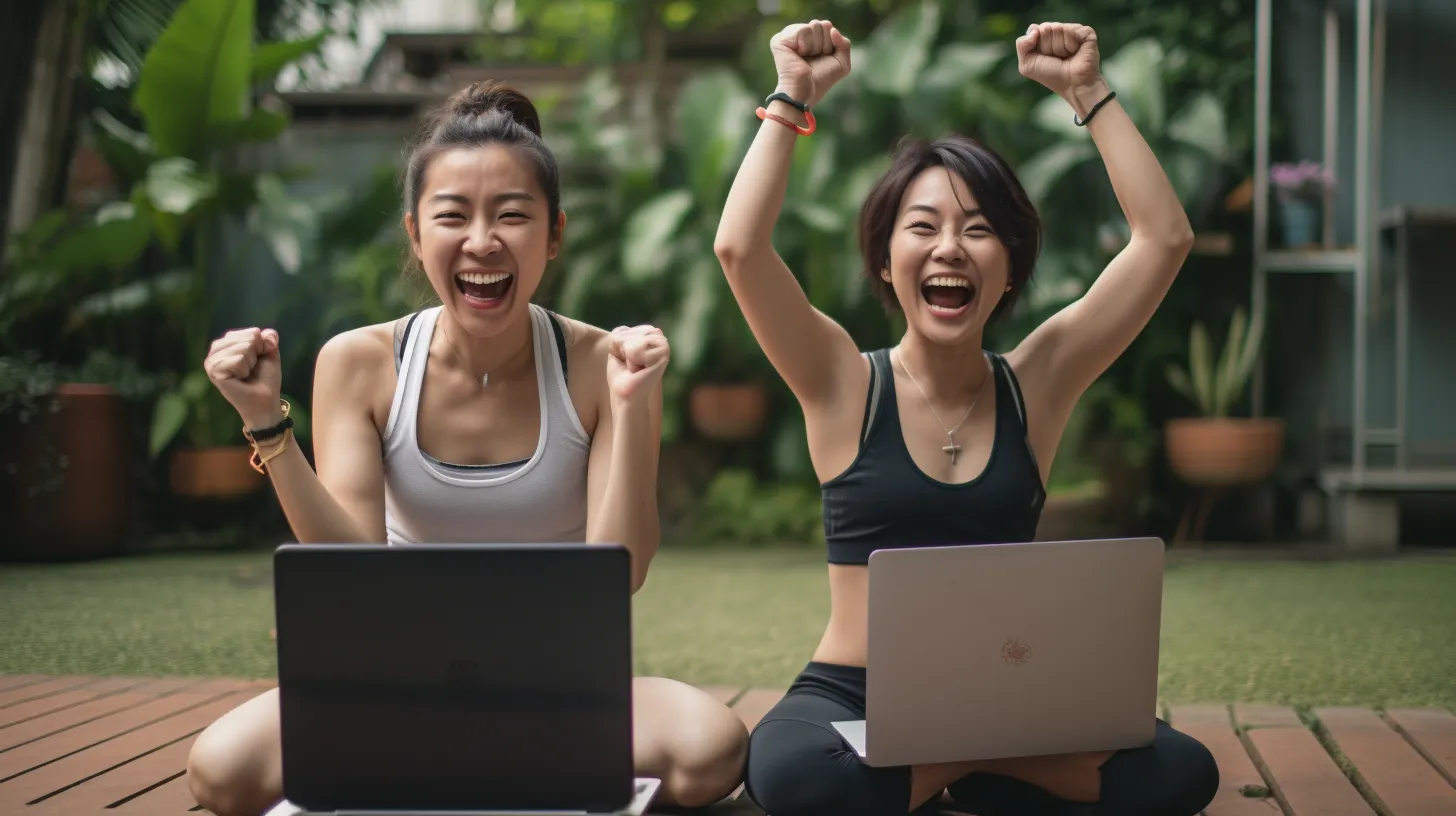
[481, 98]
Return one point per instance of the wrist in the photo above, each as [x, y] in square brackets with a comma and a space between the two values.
[263, 419]
[794, 91]
[1082, 96]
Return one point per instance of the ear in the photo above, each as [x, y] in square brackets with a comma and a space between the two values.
[885, 275]
[554, 246]
[411, 229]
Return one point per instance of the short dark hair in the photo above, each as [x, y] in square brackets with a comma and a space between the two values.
[997, 189]
[480, 114]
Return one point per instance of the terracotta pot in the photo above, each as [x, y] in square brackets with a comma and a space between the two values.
[214, 473]
[86, 511]
[1224, 452]
[729, 411]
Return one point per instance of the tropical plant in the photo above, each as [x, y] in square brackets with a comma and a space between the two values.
[1215, 388]
[188, 185]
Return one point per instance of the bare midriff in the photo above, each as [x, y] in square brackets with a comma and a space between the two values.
[846, 638]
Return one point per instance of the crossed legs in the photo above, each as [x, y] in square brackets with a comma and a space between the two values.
[684, 737]
[798, 765]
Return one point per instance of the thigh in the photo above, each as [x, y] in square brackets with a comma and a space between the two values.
[798, 764]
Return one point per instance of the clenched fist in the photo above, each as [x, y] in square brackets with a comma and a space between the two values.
[245, 366]
[1061, 56]
[810, 58]
[636, 359]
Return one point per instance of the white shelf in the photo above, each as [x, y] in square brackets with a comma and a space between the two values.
[1314, 260]
[1436, 479]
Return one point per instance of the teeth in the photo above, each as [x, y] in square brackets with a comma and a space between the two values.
[946, 280]
[483, 278]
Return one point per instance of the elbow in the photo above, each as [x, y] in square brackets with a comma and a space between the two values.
[727, 251]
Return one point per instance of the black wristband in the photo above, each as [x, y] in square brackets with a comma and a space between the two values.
[1093, 112]
[803, 107]
[269, 433]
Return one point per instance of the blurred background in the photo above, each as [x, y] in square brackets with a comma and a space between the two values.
[169, 170]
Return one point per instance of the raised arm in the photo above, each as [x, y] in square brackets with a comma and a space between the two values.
[622, 471]
[344, 501]
[1068, 352]
[808, 349]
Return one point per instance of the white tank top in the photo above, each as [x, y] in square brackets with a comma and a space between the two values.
[540, 500]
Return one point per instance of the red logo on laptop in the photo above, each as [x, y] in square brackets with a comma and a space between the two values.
[1015, 652]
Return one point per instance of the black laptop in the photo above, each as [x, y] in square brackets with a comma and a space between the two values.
[456, 678]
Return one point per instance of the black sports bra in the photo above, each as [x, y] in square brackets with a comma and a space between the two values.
[884, 500]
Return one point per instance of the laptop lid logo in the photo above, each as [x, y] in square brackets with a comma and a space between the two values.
[1015, 652]
[463, 676]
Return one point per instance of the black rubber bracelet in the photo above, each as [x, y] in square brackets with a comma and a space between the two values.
[269, 433]
[802, 107]
[1095, 108]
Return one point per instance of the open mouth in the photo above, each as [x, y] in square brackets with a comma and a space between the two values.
[948, 295]
[484, 289]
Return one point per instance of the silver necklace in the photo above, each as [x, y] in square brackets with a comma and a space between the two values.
[484, 378]
[950, 448]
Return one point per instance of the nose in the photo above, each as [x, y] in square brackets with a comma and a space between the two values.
[482, 239]
[948, 249]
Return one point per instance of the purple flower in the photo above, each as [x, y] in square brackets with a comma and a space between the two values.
[1305, 179]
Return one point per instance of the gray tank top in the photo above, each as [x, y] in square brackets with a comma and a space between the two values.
[539, 500]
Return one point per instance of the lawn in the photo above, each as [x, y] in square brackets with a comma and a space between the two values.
[1357, 633]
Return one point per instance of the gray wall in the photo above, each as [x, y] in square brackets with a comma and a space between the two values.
[1312, 353]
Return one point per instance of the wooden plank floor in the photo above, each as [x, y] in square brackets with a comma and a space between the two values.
[90, 746]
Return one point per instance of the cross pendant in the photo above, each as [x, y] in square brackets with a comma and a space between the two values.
[952, 449]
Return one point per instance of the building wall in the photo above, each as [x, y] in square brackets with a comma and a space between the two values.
[1311, 371]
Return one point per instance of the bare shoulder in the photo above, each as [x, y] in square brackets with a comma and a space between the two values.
[359, 365]
[364, 348]
[586, 345]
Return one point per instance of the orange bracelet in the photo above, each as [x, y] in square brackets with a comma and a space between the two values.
[802, 131]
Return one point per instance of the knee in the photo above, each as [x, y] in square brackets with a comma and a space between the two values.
[705, 766]
[1178, 776]
[800, 769]
[218, 778]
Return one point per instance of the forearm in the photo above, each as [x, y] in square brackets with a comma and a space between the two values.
[1148, 200]
[314, 515]
[628, 509]
[756, 197]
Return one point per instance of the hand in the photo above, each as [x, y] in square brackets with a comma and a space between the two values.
[245, 366]
[810, 58]
[1061, 56]
[636, 359]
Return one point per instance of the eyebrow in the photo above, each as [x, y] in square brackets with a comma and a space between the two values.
[934, 211]
[514, 195]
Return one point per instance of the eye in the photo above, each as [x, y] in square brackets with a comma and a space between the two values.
[921, 225]
[449, 214]
[513, 214]
[980, 228]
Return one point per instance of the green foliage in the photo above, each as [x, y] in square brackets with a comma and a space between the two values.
[1215, 387]
[737, 510]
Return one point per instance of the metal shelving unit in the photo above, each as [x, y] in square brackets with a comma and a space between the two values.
[1361, 261]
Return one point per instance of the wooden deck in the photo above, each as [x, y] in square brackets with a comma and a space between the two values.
[87, 746]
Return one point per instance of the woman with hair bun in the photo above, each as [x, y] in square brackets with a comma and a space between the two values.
[484, 418]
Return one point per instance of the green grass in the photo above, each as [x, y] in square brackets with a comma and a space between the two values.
[1357, 633]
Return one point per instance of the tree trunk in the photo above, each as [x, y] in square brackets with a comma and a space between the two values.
[39, 150]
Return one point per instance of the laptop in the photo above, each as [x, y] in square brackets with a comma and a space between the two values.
[426, 680]
[1010, 650]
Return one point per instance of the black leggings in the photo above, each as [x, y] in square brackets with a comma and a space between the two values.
[798, 765]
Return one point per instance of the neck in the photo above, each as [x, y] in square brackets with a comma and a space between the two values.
[497, 356]
[949, 373]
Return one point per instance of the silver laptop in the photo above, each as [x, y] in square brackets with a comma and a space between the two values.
[1008, 650]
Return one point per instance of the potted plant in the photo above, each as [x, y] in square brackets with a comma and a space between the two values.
[1298, 189]
[1216, 449]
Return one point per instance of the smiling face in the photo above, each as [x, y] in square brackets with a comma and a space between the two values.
[948, 267]
[482, 231]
